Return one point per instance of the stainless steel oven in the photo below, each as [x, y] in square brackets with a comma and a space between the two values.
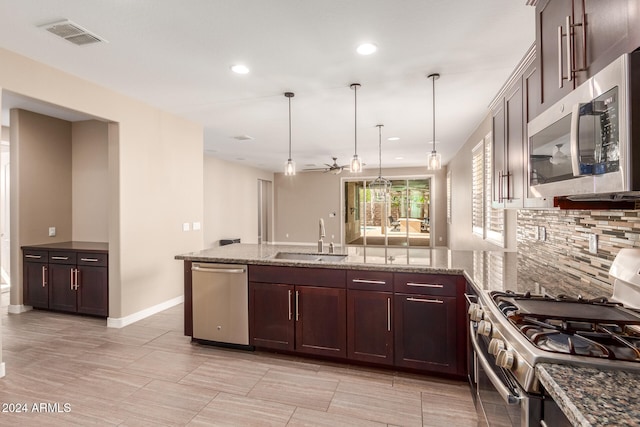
[500, 400]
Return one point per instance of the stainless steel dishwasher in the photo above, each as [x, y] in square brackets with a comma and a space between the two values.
[220, 303]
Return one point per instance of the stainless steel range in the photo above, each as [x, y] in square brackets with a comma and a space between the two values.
[512, 332]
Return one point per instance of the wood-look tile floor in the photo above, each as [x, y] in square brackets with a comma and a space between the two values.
[149, 374]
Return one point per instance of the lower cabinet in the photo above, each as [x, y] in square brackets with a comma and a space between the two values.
[425, 332]
[408, 320]
[70, 281]
[298, 317]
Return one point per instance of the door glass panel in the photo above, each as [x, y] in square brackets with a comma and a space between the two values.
[400, 219]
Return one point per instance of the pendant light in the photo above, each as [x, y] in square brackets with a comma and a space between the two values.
[356, 163]
[290, 166]
[380, 185]
[435, 159]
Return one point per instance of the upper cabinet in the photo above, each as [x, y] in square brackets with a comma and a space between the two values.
[510, 111]
[577, 38]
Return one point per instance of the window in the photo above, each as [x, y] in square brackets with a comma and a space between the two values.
[487, 222]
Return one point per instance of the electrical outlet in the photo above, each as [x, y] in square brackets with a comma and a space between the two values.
[52, 232]
[542, 233]
[185, 226]
[593, 243]
[195, 226]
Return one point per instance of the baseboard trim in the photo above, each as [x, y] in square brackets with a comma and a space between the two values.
[121, 322]
[18, 308]
[2, 370]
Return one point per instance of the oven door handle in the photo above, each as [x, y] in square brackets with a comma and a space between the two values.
[503, 390]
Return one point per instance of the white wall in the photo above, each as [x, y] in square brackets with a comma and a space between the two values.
[155, 173]
[301, 200]
[230, 201]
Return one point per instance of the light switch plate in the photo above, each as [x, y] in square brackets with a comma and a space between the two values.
[52, 232]
[196, 226]
[185, 226]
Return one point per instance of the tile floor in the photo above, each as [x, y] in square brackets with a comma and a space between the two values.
[149, 374]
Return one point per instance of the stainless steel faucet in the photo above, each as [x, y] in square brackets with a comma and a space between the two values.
[321, 234]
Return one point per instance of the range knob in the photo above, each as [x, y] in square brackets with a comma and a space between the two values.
[475, 312]
[496, 345]
[505, 359]
[485, 327]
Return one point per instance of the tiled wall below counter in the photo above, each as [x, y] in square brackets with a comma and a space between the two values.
[563, 244]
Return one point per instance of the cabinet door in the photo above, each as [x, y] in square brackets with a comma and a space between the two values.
[271, 320]
[93, 290]
[425, 332]
[498, 149]
[321, 321]
[513, 182]
[550, 15]
[62, 295]
[35, 284]
[369, 326]
[608, 32]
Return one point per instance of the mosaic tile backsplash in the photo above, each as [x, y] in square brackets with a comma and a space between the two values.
[558, 240]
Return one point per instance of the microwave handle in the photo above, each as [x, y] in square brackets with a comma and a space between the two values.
[575, 139]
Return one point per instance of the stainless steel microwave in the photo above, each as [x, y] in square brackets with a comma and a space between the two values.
[586, 145]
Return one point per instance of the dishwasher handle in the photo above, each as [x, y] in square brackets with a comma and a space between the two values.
[218, 270]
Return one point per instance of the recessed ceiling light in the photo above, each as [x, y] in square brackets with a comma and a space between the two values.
[240, 69]
[393, 138]
[366, 48]
[399, 158]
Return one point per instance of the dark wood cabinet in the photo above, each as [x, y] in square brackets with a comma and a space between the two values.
[577, 38]
[369, 326]
[67, 280]
[425, 332]
[35, 279]
[510, 110]
[298, 309]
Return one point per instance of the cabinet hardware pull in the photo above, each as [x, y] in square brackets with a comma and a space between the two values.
[71, 279]
[426, 285]
[388, 314]
[297, 305]
[63, 258]
[434, 301]
[289, 293]
[218, 270]
[76, 271]
[89, 259]
[560, 62]
[569, 49]
[33, 256]
[44, 276]
[372, 282]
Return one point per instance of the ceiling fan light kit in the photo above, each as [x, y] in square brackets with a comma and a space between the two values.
[435, 159]
[290, 166]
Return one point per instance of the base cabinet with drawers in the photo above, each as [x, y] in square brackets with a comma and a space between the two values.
[408, 320]
[71, 277]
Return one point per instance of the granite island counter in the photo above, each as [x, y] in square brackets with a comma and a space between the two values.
[485, 271]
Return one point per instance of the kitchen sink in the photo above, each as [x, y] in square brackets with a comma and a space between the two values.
[310, 257]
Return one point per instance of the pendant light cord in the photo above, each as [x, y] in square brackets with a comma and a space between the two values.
[433, 78]
[355, 120]
[379, 151]
[289, 128]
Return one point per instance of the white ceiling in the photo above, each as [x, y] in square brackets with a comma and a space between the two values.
[176, 55]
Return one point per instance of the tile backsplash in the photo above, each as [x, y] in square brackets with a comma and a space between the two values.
[558, 240]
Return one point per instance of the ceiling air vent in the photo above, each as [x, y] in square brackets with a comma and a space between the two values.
[72, 32]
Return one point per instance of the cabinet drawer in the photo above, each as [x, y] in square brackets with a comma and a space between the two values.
[370, 280]
[34, 255]
[301, 276]
[93, 258]
[62, 257]
[427, 284]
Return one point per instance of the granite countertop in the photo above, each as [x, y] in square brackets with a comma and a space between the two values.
[587, 396]
[593, 397]
[71, 246]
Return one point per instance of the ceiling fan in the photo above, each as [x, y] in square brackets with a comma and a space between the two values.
[334, 168]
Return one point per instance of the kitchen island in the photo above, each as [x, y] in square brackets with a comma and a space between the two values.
[484, 271]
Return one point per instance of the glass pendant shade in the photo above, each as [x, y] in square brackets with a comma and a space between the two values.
[290, 168]
[435, 161]
[290, 165]
[356, 163]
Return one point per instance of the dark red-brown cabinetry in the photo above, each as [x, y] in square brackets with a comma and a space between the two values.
[70, 276]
